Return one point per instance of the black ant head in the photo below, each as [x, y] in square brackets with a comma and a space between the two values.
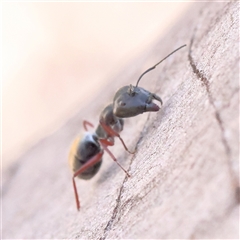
[129, 101]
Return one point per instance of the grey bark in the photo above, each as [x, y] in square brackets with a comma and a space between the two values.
[185, 174]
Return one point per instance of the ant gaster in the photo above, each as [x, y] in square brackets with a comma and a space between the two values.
[86, 152]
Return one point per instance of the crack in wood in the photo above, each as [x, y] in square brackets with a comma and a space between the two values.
[118, 200]
[116, 208]
[201, 76]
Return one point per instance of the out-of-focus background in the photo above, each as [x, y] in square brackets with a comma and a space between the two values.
[56, 56]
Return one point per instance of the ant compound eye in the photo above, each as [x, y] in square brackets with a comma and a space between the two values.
[122, 103]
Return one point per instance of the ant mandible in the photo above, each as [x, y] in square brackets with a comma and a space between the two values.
[86, 153]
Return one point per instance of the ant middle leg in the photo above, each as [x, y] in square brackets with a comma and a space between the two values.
[105, 143]
[113, 133]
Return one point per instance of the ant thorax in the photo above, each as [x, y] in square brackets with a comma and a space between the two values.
[108, 118]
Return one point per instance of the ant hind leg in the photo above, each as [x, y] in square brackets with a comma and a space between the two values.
[84, 167]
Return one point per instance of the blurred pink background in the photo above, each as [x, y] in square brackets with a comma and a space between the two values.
[57, 55]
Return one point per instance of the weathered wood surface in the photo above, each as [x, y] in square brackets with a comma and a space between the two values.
[185, 172]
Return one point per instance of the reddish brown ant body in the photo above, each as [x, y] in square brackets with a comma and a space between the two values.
[86, 153]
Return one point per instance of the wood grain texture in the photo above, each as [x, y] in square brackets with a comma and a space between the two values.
[185, 174]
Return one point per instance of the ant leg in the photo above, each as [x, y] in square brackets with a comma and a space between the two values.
[105, 143]
[85, 123]
[85, 166]
[114, 134]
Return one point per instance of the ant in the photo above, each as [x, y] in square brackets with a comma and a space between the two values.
[86, 153]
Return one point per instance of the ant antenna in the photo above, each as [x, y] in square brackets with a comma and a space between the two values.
[159, 63]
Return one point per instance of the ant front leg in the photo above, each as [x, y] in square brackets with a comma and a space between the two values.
[84, 167]
[87, 123]
[105, 143]
[111, 132]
